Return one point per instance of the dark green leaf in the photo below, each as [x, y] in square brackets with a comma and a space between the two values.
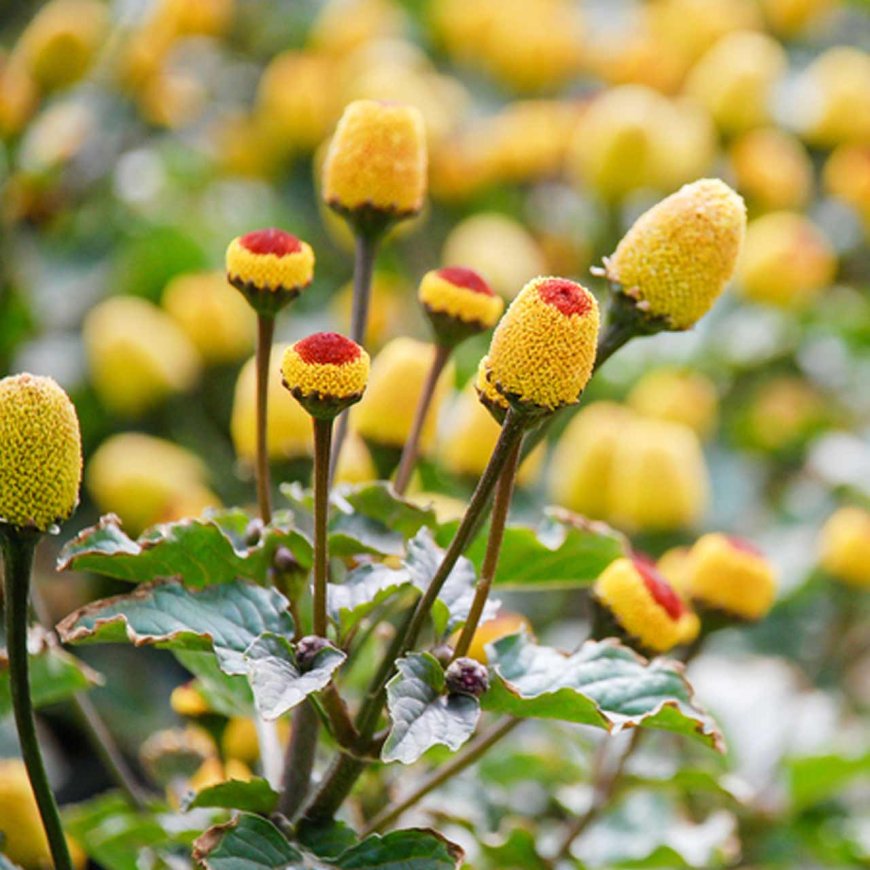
[363, 589]
[246, 843]
[276, 681]
[200, 552]
[817, 778]
[603, 684]
[326, 840]
[413, 849]
[226, 618]
[253, 796]
[422, 715]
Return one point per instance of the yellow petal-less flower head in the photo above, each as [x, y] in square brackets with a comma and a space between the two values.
[644, 604]
[488, 632]
[680, 396]
[677, 257]
[543, 349]
[459, 303]
[845, 546]
[40, 453]
[376, 164]
[790, 18]
[269, 267]
[355, 462]
[187, 700]
[730, 575]
[326, 373]
[847, 176]
[489, 396]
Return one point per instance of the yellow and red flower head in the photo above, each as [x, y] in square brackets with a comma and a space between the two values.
[270, 267]
[326, 373]
[845, 546]
[459, 303]
[730, 575]
[645, 605]
[543, 349]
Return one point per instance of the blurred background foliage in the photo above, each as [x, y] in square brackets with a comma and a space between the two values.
[137, 138]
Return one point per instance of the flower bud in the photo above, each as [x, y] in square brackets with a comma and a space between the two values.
[176, 752]
[847, 177]
[489, 396]
[677, 257]
[307, 650]
[644, 604]
[845, 546]
[240, 742]
[678, 396]
[459, 303]
[355, 463]
[730, 575]
[326, 373]
[375, 168]
[269, 267]
[791, 18]
[488, 632]
[187, 700]
[466, 676]
[543, 350]
[40, 453]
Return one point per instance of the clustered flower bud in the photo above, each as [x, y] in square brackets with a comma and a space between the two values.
[845, 546]
[307, 650]
[466, 676]
[459, 303]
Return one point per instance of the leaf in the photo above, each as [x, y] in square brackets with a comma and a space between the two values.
[362, 591]
[253, 796]
[246, 843]
[422, 714]
[413, 849]
[378, 501]
[200, 552]
[226, 618]
[225, 694]
[326, 839]
[517, 851]
[603, 684]
[815, 779]
[276, 681]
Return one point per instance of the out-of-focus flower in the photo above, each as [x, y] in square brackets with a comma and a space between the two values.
[192, 17]
[735, 80]
[498, 247]
[137, 355]
[673, 565]
[247, 145]
[543, 349]
[677, 257]
[187, 700]
[146, 480]
[344, 25]
[847, 176]
[355, 462]
[214, 317]
[772, 169]
[492, 630]
[386, 413]
[176, 753]
[18, 95]
[376, 162]
[40, 453]
[791, 18]
[658, 477]
[680, 396]
[288, 427]
[644, 604]
[730, 575]
[786, 261]
[783, 414]
[239, 741]
[632, 56]
[845, 544]
[388, 307]
[459, 303]
[447, 508]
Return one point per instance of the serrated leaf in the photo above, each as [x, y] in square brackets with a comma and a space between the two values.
[276, 681]
[422, 715]
[226, 618]
[246, 843]
[817, 778]
[362, 591]
[413, 849]
[200, 552]
[603, 684]
[253, 796]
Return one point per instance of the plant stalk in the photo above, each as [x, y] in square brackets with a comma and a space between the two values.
[322, 439]
[265, 334]
[299, 761]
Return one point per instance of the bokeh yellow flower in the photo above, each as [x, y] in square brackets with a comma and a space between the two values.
[488, 632]
[389, 307]
[355, 462]
[790, 18]
[678, 395]
[847, 176]
[844, 546]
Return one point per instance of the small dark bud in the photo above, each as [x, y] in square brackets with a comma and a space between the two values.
[284, 562]
[467, 677]
[307, 649]
[444, 653]
[253, 532]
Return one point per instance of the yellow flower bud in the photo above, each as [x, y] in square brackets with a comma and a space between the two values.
[845, 546]
[790, 18]
[325, 372]
[192, 17]
[344, 25]
[677, 257]
[459, 303]
[658, 478]
[213, 316]
[543, 350]
[735, 79]
[644, 604]
[40, 453]
[730, 575]
[783, 413]
[386, 413]
[240, 742]
[447, 509]
[137, 355]
[673, 565]
[492, 630]
[18, 96]
[786, 261]
[355, 462]
[187, 700]
[772, 169]
[376, 162]
[582, 466]
[847, 176]
[678, 396]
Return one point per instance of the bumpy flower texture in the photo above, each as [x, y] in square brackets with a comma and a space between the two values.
[543, 349]
[462, 294]
[40, 453]
[677, 257]
[269, 261]
[645, 605]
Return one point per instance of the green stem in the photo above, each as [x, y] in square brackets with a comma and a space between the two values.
[299, 761]
[412, 446]
[18, 548]
[322, 438]
[265, 333]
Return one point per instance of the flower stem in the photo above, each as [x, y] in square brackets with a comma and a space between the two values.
[412, 446]
[322, 439]
[265, 332]
[500, 507]
[299, 761]
[18, 548]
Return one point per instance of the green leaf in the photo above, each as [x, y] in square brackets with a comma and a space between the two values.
[253, 796]
[326, 839]
[200, 552]
[226, 618]
[422, 714]
[362, 591]
[413, 849]
[603, 684]
[817, 778]
[517, 851]
[225, 694]
[378, 501]
[55, 675]
[246, 843]
[276, 681]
